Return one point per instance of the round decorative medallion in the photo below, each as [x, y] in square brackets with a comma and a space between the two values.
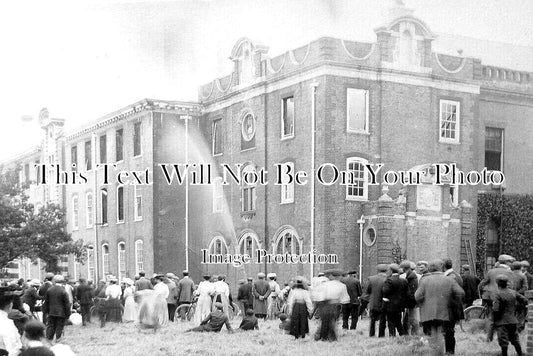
[248, 127]
[369, 237]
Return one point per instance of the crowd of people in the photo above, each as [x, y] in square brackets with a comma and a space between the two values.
[426, 298]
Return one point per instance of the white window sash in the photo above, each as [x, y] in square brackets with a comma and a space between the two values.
[364, 196]
[349, 119]
[443, 117]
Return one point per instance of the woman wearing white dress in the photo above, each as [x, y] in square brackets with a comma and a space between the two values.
[204, 292]
[130, 308]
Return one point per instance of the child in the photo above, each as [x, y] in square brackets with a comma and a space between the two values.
[503, 309]
[285, 324]
[249, 322]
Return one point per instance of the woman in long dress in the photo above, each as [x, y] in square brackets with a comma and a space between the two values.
[299, 308]
[113, 307]
[130, 308]
[204, 292]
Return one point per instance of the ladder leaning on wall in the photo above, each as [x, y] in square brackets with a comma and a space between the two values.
[470, 256]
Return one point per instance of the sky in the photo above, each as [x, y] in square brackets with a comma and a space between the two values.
[83, 60]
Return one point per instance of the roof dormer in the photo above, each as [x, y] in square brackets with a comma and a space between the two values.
[247, 57]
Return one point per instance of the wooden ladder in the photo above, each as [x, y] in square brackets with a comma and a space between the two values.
[470, 256]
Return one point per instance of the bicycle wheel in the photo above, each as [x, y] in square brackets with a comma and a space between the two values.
[474, 319]
[235, 311]
[182, 310]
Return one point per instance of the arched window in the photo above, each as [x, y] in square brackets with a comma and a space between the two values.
[287, 241]
[103, 194]
[105, 259]
[139, 260]
[218, 246]
[121, 260]
[89, 209]
[75, 212]
[90, 263]
[249, 243]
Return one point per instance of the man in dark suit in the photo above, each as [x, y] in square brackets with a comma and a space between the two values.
[374, 296]
[214, 321]
[435, 294]
[42, 292]
[394, 296]
[411, 318]
[260, 291]
[529, 276]
[143, 282]
[351, 309]
[456, 307]
[503, 309]
[185, 291]
[470, 286]
[57, 307]
[245, 295]
[84, 295]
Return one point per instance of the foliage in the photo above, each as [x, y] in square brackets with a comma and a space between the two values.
[26, 233]
[397, 255]
[514, 214]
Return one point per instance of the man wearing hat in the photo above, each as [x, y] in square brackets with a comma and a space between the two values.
[351, 309]
[374, 295]
[395, 290]
[57, 307]
[470, 286]
[9, 335]
[245, 295]
[329, 296]
[411, 318]
[489, 287]
[185, 291]
[172, 299]
[42, 292]
[84, 295]
[519, 283]
[143, 282]
[30, 295]
[503, 309]
[260, 291]
[214, 321]
[529, 276]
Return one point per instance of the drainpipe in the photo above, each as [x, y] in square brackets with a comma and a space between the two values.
[314, 87]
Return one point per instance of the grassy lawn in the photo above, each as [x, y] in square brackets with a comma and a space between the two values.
[126, 339]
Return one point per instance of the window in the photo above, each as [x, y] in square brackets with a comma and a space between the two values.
[357, 110]
[75, 213]
[103, 194]
[249, 243]
[216, 137]
[89, 209]
[119, 145]
[493, 243]
[449, 121]
[218, 246]
[90, 263]
[120, 204]
[357, 187]
[248, 190]
[121, 260]
[139, 260]
[105, 259]
[369, 237]
[287, 189]
[494, 149]
[103, 148]
[287, 117]
[287, 241]
[88, 158]
[137, 139]
[218, 195]
[27, 173]
[74, 158]
[454, 195]
[138, 203]
[37, 171]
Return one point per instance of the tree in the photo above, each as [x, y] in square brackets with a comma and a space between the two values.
[26, 233]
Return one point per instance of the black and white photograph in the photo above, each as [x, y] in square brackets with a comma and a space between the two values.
[284, 177]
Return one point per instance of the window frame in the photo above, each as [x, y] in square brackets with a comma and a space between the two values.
[366, 129]
[456, 140]
[73, 157]
[218, 195]
[212, 248]
[121, 259]
[255, 243]
[286, 188]
[502, 143]
[216, 127]
[139, 256]
[104, 150]
[137, 138]
[91, 270]
[88, 155]
[75, 212]
[137, 213]
[104, 192]
[89, 210]
[284, 135]
[120, 221]
[106, 263]
[248, 193]
[363, 162]
[296, 241]
[121, 130]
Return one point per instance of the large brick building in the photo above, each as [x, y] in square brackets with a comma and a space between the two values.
[395, 101]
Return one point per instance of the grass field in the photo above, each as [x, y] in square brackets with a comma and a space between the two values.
[126, 339]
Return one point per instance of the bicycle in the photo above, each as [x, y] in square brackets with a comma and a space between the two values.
[187, 310]
[475, 312]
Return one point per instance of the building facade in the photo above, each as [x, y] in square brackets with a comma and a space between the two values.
[329, 107]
